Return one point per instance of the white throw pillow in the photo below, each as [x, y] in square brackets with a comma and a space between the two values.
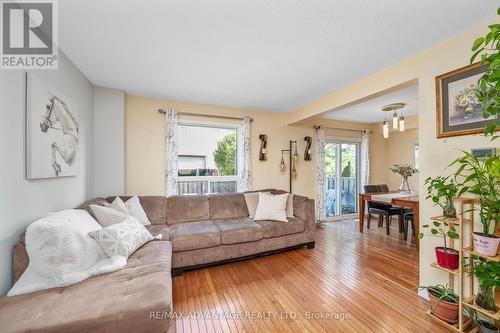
[252, 200]
[107, 216]
[123, 238]
[271, 207]
[135, 209]
[119, 205]
[61, 253]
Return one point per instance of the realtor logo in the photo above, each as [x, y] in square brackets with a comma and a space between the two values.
[28, 34]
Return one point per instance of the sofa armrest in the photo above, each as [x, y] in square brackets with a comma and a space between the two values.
[303, 208]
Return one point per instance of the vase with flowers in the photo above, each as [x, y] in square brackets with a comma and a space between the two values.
[405, 171]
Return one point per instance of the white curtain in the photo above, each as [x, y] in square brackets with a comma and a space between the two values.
[320, 175]
[365, 158]
[171, 153]
[244, 160]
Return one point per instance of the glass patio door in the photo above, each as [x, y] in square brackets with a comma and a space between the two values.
[341, 171]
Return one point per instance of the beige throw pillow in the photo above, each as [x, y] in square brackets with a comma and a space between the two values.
[122, 238]
[135, 209]
[271, 207]
[107, 216]
[252, 199]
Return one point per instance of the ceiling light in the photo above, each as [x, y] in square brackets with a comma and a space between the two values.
[385, 129]
[401, 124]
[396, 120]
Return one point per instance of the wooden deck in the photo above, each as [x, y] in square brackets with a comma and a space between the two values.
[350, 282]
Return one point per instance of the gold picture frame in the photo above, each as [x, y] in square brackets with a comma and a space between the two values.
[458, 112]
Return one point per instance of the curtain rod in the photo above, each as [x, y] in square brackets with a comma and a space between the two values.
[162, 111]
[340, 129]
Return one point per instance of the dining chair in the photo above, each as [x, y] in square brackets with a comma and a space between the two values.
[387, 211]
[408, 223]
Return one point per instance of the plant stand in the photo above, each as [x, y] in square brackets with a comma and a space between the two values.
[466, 208]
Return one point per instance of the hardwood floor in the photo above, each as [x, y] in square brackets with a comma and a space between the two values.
[350, 282]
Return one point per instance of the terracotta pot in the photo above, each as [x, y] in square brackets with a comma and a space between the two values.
[447, 258]
[486, 245]
[443, 310]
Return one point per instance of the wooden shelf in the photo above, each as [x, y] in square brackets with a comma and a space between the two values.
[452, 326]
[469, 302]
[474, 253]
[450, 271]
[449, 220]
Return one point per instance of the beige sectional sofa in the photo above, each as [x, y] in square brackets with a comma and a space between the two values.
[197, 231]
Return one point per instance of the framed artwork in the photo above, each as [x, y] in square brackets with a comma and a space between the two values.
[51, 131]
[458, 111]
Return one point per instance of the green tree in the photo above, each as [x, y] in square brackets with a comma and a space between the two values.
[225, 155]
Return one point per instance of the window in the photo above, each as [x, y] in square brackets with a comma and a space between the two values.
[416, 155]
[207, 159]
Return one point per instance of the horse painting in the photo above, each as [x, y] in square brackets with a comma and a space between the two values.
[58, 117]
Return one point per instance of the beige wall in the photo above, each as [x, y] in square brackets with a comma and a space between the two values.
[436, 154]
[145, 144]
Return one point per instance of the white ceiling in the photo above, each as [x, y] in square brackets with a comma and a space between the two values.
[274, 55]
[371, 111]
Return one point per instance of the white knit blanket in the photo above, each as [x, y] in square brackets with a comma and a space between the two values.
[61, 253]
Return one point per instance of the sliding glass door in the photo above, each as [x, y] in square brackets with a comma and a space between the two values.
[342, 178]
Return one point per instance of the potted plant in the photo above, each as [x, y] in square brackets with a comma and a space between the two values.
[486, 326]
[405, 171]
[445, 256]
[483, 325]
[487, 48]
[480, 177]
[488, 274]
[444, 302]
[442, 190]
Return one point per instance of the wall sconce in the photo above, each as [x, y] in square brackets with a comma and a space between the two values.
[263, 147]
[307, 152]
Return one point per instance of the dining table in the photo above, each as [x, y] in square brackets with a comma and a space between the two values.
[406, 200]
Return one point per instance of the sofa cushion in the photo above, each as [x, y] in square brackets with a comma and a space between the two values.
[154, 206]
[187, 208]
[194, 235]
[116, 302]
[158, 229]
[227, 206]
[276, 229]
[239, 230]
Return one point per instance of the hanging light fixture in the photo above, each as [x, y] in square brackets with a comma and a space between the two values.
[396, 120]
[385, 129]
[401, 123]
[282, 164]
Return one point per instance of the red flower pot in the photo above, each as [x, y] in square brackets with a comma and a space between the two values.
[447, 258]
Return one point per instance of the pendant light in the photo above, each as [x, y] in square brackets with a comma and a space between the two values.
[385, 129]
[282, 164]
[397, 122]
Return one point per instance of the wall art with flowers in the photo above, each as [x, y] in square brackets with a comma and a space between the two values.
[458, 110]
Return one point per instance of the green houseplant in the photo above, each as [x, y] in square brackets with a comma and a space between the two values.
[444, 302]
[480, 177]
[445, 256]
[442, 190]
[488, 274]
[405, 171]
[487, 48]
